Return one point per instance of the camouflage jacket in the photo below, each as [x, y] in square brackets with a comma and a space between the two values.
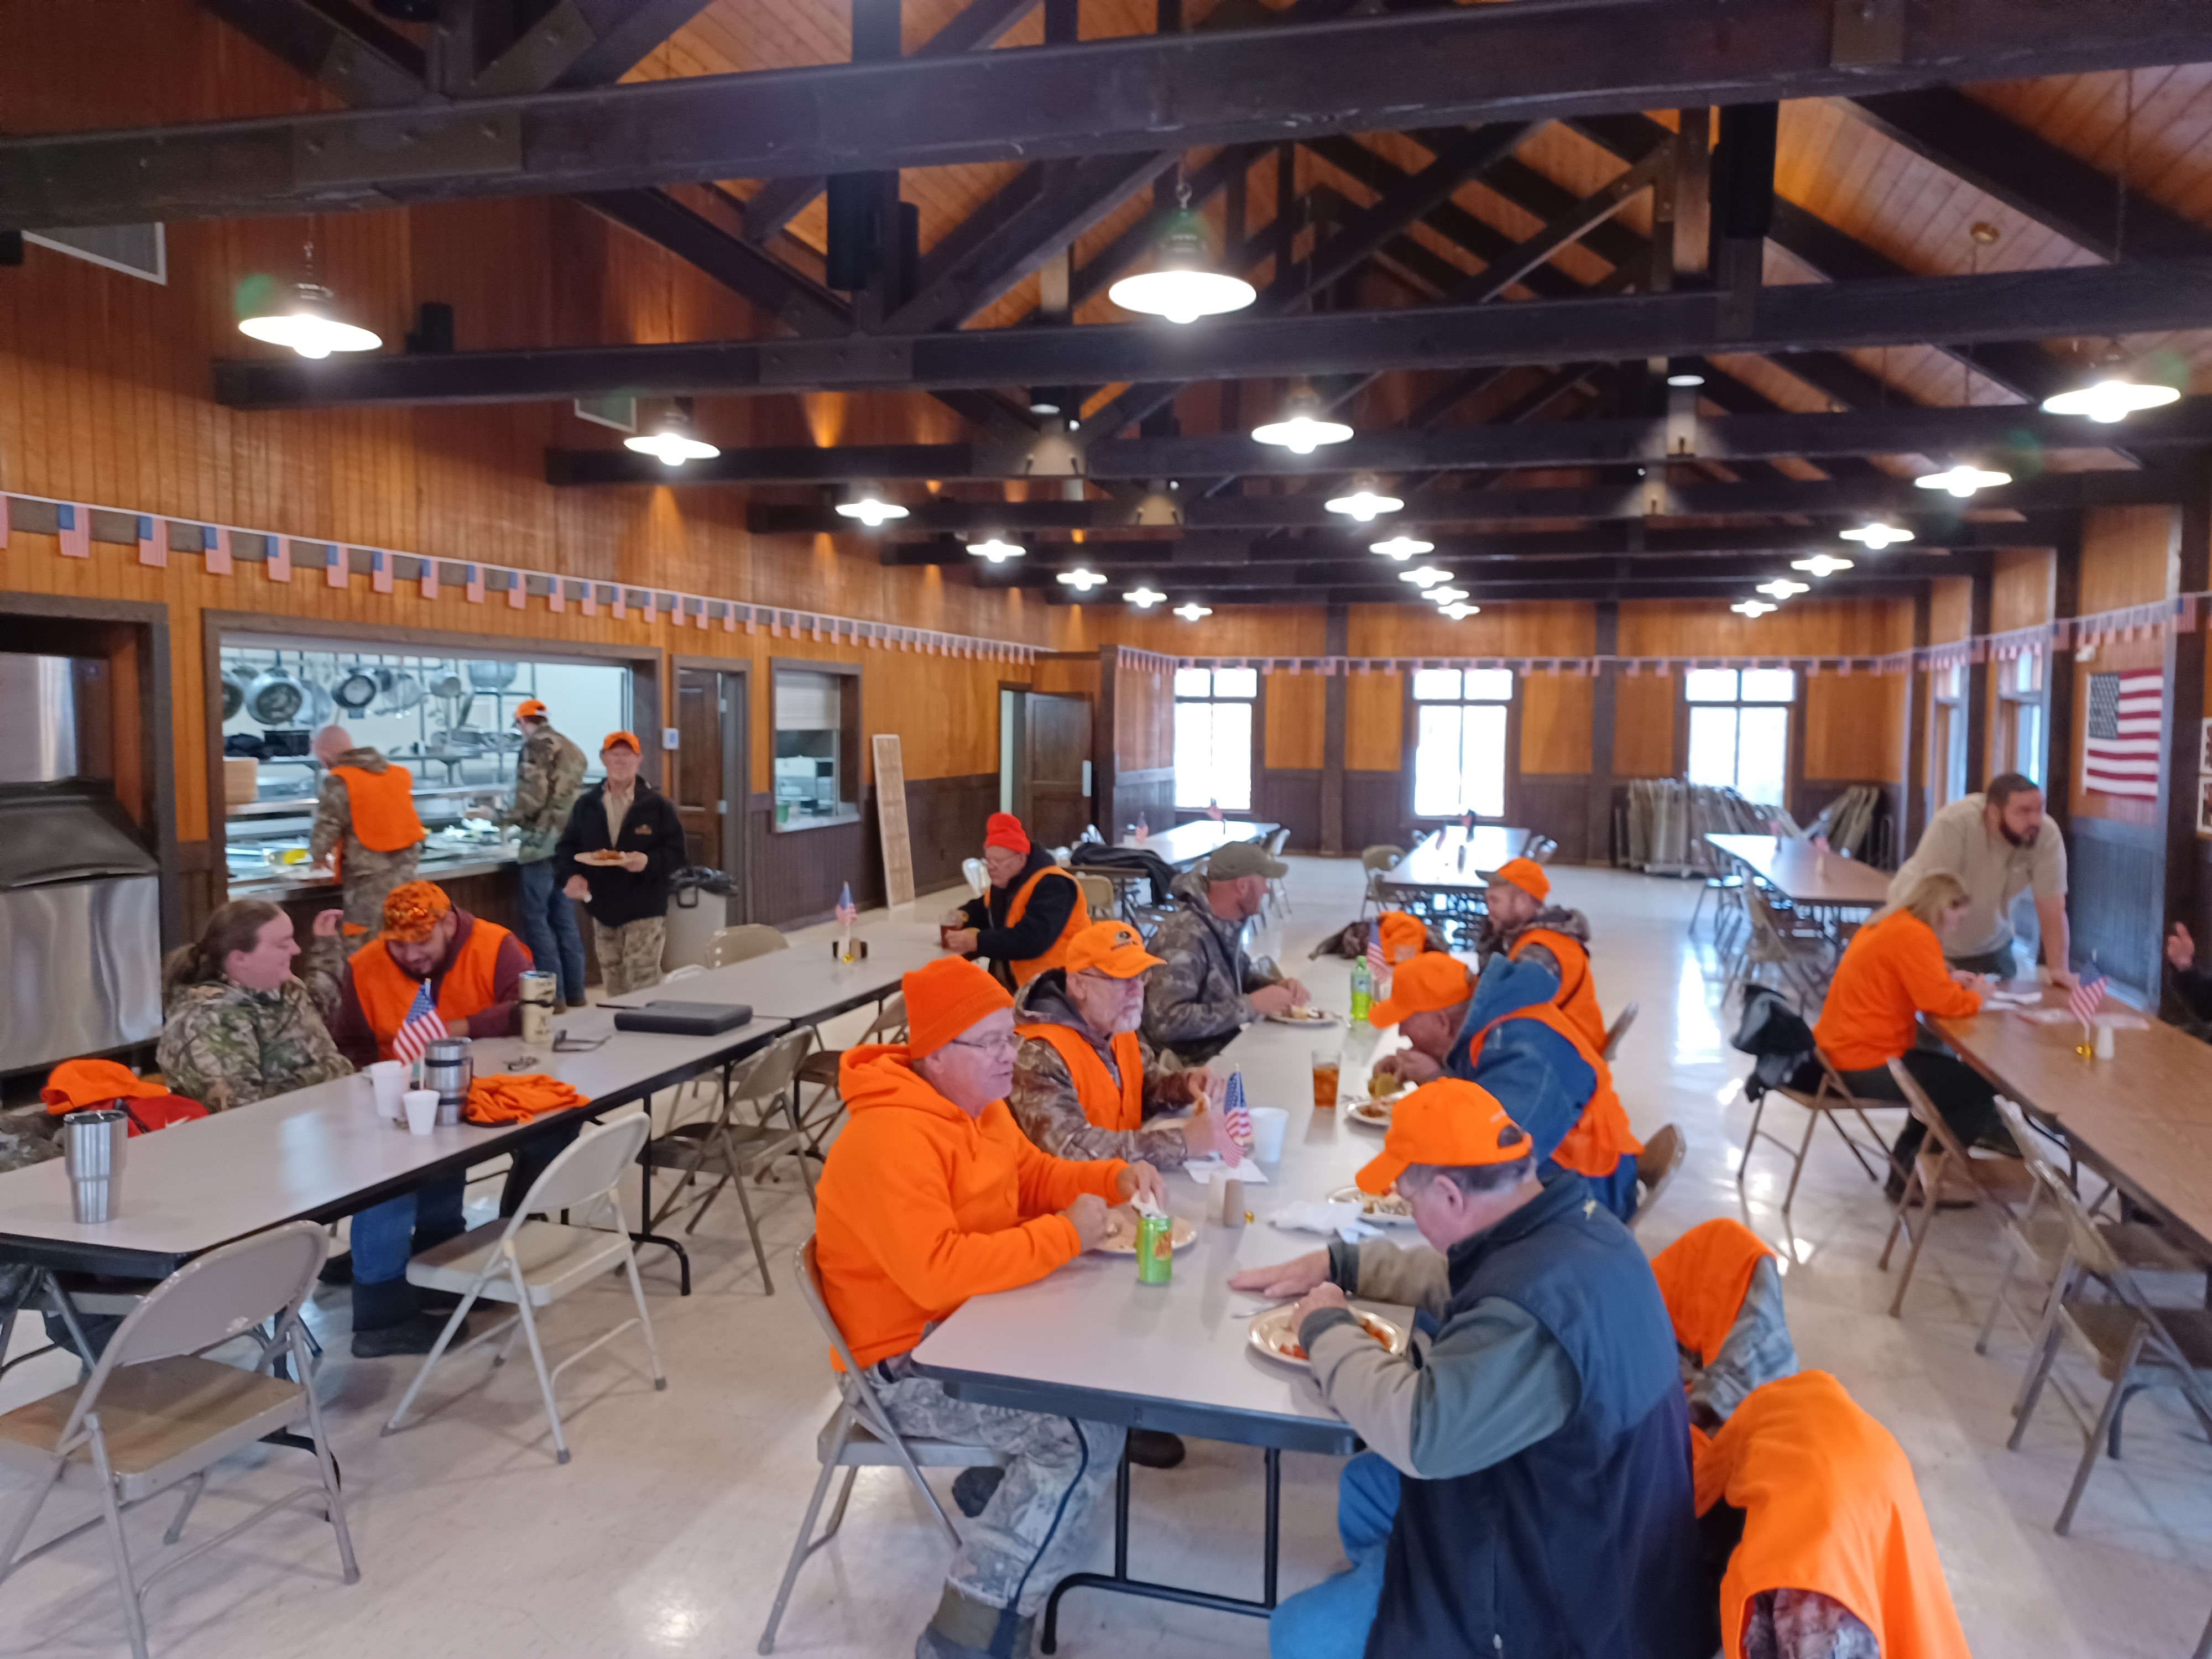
[547, 774]
[1044, 1102]
[1200, 996]
[226, 1046]
[1553, 918]
[27, 1138]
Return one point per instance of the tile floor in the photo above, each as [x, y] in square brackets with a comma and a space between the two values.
[666, 1533]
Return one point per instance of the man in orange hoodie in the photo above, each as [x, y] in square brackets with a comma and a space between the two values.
[933, 1194]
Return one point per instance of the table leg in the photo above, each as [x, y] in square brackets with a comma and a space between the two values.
[645, 1204]
[1119, 1579]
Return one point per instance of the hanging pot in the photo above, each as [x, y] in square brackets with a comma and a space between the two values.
[402, 691]
[491, 676]
[355, 689]
[276, 697]
[448, 684]
[233, 694]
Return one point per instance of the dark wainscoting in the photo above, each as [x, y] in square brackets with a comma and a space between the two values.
[200, 885]
[1554, 805]
[1149, 793]
[1292, 797]
[945, 819]
[2115, 902]
[796, 874]
[1375, 811]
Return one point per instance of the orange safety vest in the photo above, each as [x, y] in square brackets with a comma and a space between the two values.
[1601, 1137]
[1577, 997]
[1055, 955]
[1703, 1277]
[382, 806]
[388, 992]
[1105, 1105]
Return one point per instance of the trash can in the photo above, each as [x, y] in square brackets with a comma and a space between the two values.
[698, 907]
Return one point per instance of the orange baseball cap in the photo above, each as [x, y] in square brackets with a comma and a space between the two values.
[629, 738]
[1451, 1124]
[1421, 985]
[77, 1085]
[412, 910]
[944, 997]
[1114, 948]
[1526, 874]
[529, 709]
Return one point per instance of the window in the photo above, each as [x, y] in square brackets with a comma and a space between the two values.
[1213, 738]
[818, 747]
[1459, 741]
[1740, 730]
[2020, 715]
[1948, 749]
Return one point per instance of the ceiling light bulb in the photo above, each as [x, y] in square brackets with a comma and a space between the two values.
[1365, 502]
[2111, 399]
[1427, 575]
[997, 551]
[1821, 564]
[1781, 587]
[1144, 597]
[304, 321]
[1875, 537]
[1461, 612]
[1192, 612]
[1401, 547]
[672, 447]
[1081, 580]
[1963, 480]
[868, 506]
[1445, 595]
[1751, 607]
[1685, 379]
[1304, 428]
[1181, 287]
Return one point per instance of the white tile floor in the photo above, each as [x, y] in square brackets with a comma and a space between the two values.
[667, 1532]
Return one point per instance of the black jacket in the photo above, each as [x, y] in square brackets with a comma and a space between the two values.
[650, 826]
[1048, 912]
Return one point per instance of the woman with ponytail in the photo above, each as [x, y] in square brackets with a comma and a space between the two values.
[241, 1027]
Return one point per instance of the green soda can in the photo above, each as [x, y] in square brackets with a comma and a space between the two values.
[1155, 1249]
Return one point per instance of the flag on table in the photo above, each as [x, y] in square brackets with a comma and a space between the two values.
[1236, 1116]
[1466, 819]
[1213, 811]
[2088, 994]
[1375, 965]
[419, 1029]
[847, 914]
[2121, 756]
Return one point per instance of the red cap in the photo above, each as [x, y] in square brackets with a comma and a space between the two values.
[1004, 829]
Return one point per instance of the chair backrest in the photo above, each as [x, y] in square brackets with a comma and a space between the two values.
[771, 1071]
[1656, 1165]
[591, 1166]
[890, 1022]
[689, 970]
[1277, 840]
[818, 1303]
[1619, 1031]
[1380, 856]
[743, 944]
[1541, 849]
[1098, 896]
[978, 874]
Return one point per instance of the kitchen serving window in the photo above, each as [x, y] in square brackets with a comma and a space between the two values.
[817, 746]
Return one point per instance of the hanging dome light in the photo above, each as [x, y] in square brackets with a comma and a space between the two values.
[1401, 547]
[1445, 595]
[1821, 564]
[1427, 576]
[996, 550]
[1781, 587]
[306, 320]
[1963, 479]
[1875, 537]
[1365, 502]
[1081, 580]
[671, 443]
[1303, 427]
[1144, 597]
[1194, 611]
[868, 506]
[1751, 607]
[2111, 400]
[1181, 285]
[1460, 612]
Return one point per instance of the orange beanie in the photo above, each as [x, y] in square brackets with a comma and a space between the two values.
[1401, 936]
[944, 998]
[1004, 829]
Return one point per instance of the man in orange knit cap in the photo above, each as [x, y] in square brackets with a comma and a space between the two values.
[931, 1195]
[1523, 924]
[1033, 909]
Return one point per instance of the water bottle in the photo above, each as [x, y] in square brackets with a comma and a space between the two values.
[1363, 990]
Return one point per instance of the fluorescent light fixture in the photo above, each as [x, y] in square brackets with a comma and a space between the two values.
[306, 320]
[997, 551]
[1821, 564]
[1875, 537]
[1963, 480]
[1081, 580]
[1685, 379]
[2111, 400]
[1144, 597]
[1401, 547]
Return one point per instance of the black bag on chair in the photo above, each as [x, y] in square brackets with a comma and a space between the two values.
[1775, 1034]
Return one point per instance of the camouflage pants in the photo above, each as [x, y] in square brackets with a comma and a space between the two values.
[629, 953]
[369, 878]
[1027, 1538]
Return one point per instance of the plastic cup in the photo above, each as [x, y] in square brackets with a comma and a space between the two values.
[1268, 1125]
[1327, 1072]
[2103, 1041]
[422, 1106]
[388, 1078]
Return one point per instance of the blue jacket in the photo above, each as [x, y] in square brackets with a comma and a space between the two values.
[1535, 1073]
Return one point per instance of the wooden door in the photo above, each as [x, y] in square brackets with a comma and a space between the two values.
[1056, 768]
[708, 777]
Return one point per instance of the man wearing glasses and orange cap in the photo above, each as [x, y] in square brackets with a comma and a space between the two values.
[1526, 928]
[1504, 1032]
[931, 1195]
[1033, 909]
[548, 772]
[1527, 1487]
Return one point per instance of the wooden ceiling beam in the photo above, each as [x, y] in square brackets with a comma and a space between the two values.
[1459, 67]
[1609, 587]
[340, 47]
[1285, 581]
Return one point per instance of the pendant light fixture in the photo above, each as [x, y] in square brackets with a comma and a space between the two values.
[304, 319]
[1401, 547]
[1182, 286]
[1781, 587]
[868, 506]
[672, 442]
[1367, 502]
[1144, 597]
[1446, 595]
[1427, 576]
[1305, 426]
[1081, 580]
[1194, 611]
[1751, 607]
[996, 549]
[1873, 536]
[1962, 478]
[1461, 611]
[1821, 564]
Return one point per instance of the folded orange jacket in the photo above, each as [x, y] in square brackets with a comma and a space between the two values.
[516, 1098]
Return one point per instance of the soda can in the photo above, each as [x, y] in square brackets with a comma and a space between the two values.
[1155, 1249]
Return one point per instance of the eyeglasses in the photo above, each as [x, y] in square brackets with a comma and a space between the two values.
[1010, 1043]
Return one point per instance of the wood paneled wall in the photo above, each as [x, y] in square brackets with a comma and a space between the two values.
[2128, 556]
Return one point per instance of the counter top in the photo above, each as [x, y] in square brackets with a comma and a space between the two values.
[303, 879]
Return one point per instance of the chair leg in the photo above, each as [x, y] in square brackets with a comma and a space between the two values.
[1996, 1301]
[1750, 1140]
[437, 1352]
[1797, 1164]
[538, 1359]
[333, 1499]
[134, 1611]
[752, 1227]
[193, 1488]
[844, 1498]
[2038, 1372]
[644, 1319]
[2092, 1444]
[802, 1546]
[21, 1529]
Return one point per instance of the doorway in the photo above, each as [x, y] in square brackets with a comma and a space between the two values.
[1044, 764]
[708, 782]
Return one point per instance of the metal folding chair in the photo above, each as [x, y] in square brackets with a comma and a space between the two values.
[743, 944]
[1829, 1100]
[818, 1114]
[533, 1264]
[1946, 1171]
[156, 1413]
[859, 1435]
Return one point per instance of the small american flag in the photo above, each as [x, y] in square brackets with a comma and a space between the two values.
[1213, 811]
[1236, 1116]
[2088, 995]
[846, 915]
[2121, 754]
[419, 1029]
[1466, 819]
[1375, 965]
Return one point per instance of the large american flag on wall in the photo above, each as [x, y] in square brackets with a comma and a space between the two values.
[2121, 755]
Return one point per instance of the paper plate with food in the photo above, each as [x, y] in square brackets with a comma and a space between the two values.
[1274, 1335]
[1122, 1233]
[1370, 1113]
[1386, 1209]
[606, 858]
[1304, 1016]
